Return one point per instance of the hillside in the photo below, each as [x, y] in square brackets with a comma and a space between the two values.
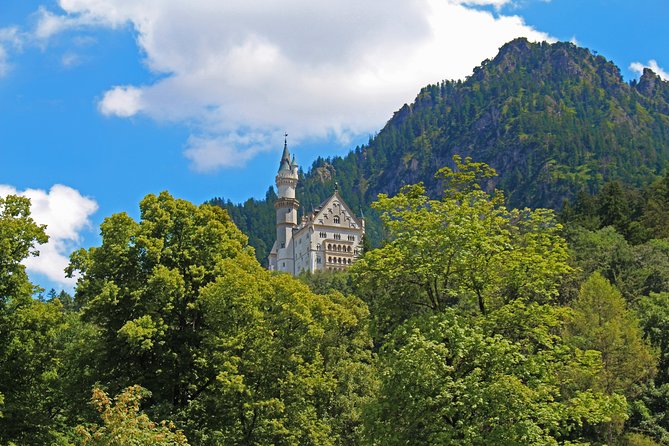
[553, 119]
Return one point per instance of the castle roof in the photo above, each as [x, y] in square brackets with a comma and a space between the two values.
[285, 163]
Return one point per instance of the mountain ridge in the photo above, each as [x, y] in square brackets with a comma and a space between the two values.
[553, 119]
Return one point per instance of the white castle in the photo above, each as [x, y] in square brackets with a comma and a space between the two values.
[330, 238]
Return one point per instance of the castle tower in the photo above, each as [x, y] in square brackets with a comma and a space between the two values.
[282, 257]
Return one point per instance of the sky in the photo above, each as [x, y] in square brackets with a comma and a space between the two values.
[105, 101]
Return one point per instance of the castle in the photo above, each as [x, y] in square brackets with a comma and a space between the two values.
[329, 238]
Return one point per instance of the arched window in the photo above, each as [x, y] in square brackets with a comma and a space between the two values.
[336, 219]
[329, 247]
[329, 259]
[349, 249]
[339, 248]
[349, 261]
[339, 260]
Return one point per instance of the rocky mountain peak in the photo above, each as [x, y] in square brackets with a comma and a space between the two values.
[648, 82]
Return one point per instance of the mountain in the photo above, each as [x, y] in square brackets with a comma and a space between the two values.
[553, 119]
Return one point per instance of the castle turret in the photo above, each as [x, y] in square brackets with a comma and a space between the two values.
[282, 255]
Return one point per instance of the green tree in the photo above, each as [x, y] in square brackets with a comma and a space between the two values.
[653, 313]
[123, 423]
[466, 248]
[446, 381]
[19, 235]
[603, 322]
[291, 366]
[30, 332]
[230, 352]
[141, 288]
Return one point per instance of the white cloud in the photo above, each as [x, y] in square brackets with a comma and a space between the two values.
[638, 67]
[312, 68]
[50, 24]
[231, 150]
[9, 37]
[121, 101]
[66, 213]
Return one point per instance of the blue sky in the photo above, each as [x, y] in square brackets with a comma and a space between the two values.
[109, 100]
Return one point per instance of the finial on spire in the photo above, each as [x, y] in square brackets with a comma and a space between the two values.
[285, 139]
[336, 186]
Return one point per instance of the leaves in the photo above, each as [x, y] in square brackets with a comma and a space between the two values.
[124, 424]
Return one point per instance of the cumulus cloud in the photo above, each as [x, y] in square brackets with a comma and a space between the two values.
[231, 150]
[316, 69]
[66, 213]
[50, 23]
[121, 101]
[638, 67]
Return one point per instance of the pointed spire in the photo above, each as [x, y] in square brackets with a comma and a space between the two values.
[285, 158]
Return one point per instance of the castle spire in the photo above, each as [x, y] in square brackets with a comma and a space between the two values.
[285, 163]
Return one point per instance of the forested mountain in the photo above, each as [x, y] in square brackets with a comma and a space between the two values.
[552, 119]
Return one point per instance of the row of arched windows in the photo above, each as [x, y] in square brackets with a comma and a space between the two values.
[338, 248]
[339, 260]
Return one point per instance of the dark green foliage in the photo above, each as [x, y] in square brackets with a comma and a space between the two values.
[621, 232]
[552, 119]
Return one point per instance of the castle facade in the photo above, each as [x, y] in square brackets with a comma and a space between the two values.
[329, 238]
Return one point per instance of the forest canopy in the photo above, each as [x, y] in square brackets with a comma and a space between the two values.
[474, 323]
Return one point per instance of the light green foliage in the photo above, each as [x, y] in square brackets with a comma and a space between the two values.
[123, 424]
[466, 248]
[291, 367]
[140, 332]
[446, 381]
[18, 236]
[602, 322]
